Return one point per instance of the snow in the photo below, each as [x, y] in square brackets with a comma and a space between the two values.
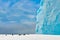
[29, 37]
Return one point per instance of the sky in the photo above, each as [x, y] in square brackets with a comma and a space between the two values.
[18, 16]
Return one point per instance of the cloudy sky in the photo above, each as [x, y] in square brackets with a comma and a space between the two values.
[18, 16]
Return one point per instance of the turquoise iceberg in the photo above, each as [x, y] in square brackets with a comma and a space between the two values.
[48, 17]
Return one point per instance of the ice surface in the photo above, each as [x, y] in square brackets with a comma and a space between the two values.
[29, 37]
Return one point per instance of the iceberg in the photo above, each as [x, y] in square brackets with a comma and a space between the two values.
[48, 17]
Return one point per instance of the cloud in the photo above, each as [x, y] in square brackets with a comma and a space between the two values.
[18, 15]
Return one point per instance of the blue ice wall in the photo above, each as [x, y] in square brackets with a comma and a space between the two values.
[48, 17]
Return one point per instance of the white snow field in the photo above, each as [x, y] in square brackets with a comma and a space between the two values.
[30, 37]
